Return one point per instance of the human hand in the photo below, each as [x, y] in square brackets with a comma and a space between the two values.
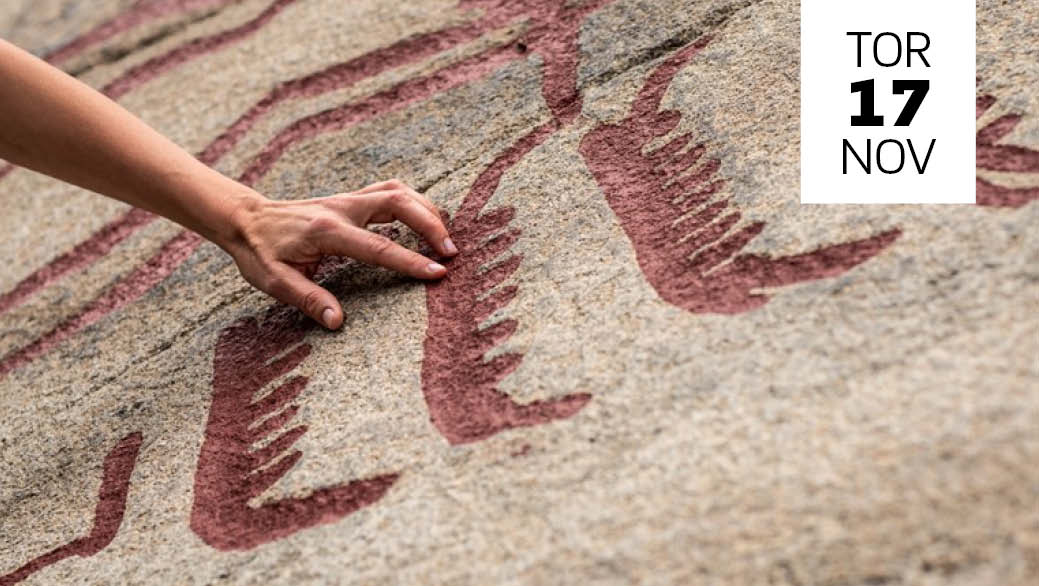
[278, 245]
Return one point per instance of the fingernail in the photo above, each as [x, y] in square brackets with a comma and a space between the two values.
[327, 316]
[435, 267]
[450, 246]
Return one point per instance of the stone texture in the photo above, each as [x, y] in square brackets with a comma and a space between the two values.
[880, 426]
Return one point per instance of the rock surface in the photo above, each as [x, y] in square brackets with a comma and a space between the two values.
[787, 395]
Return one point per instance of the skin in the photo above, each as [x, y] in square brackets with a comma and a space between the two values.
[52, 123]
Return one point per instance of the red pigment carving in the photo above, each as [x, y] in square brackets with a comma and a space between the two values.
[395, 98]
[685, 243]
[145, 72]
[108, 515]
[1002, 157]
[249, 357]
[458, 384]
[80, 256]
[125, 291]
[554, 33]
[547, 36]
[140, 13]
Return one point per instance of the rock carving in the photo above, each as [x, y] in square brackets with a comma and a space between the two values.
[108, 515]
[249, 358]
[993, 156]
[685, 238]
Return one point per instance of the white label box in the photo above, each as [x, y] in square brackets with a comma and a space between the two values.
[888, 101]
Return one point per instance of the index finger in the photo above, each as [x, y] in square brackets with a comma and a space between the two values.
[398, 185]
[376, 249]
[398, 205]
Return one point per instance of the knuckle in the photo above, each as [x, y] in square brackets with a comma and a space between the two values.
[276, 286]
[311, 301]
[395, 184]
[323, 224]
[378, 244]
[397, 198]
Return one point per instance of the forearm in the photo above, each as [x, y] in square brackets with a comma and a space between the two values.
[54, 124]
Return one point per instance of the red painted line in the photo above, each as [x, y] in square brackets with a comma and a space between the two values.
[342, 75]
[145, 72]
[391, 100]
[248, 357]
[83, 254]
[693, 262]
[1005, 158]
[992, 195]
[108, 514]
[125, 291]
[459, 386]
[140, 13]
[995, 157]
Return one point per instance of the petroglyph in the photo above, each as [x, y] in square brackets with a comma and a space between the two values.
[686, 239]
[232, 471]
[459, 385]
[108, 515]
[993, 156]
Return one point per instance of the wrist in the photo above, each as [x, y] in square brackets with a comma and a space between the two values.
[242, 208]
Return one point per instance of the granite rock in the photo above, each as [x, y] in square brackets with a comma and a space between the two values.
[598, 394]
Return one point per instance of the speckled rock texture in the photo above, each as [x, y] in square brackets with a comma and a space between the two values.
[650, 364]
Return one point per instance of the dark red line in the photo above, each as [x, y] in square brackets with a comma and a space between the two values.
[108, 514]
[84, 253]
[125, 291]
[229, 473]
[459, 386]
[145, 72]
[1005, 158]
[342, 75]
[998, 196]
[141, 12]
[391, 100]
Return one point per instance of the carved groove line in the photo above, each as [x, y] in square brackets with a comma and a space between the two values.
[1005, 158]
[686, 241]
[108, 514]
[248, 358]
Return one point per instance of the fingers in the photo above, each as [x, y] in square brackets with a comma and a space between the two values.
[394, 200]
[290, 286]
[398, 185]
[376, 249]
[388, 206]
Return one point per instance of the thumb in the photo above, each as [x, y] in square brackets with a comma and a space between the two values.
[291, 287]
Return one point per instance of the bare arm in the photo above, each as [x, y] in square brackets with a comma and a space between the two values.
[52, 123]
